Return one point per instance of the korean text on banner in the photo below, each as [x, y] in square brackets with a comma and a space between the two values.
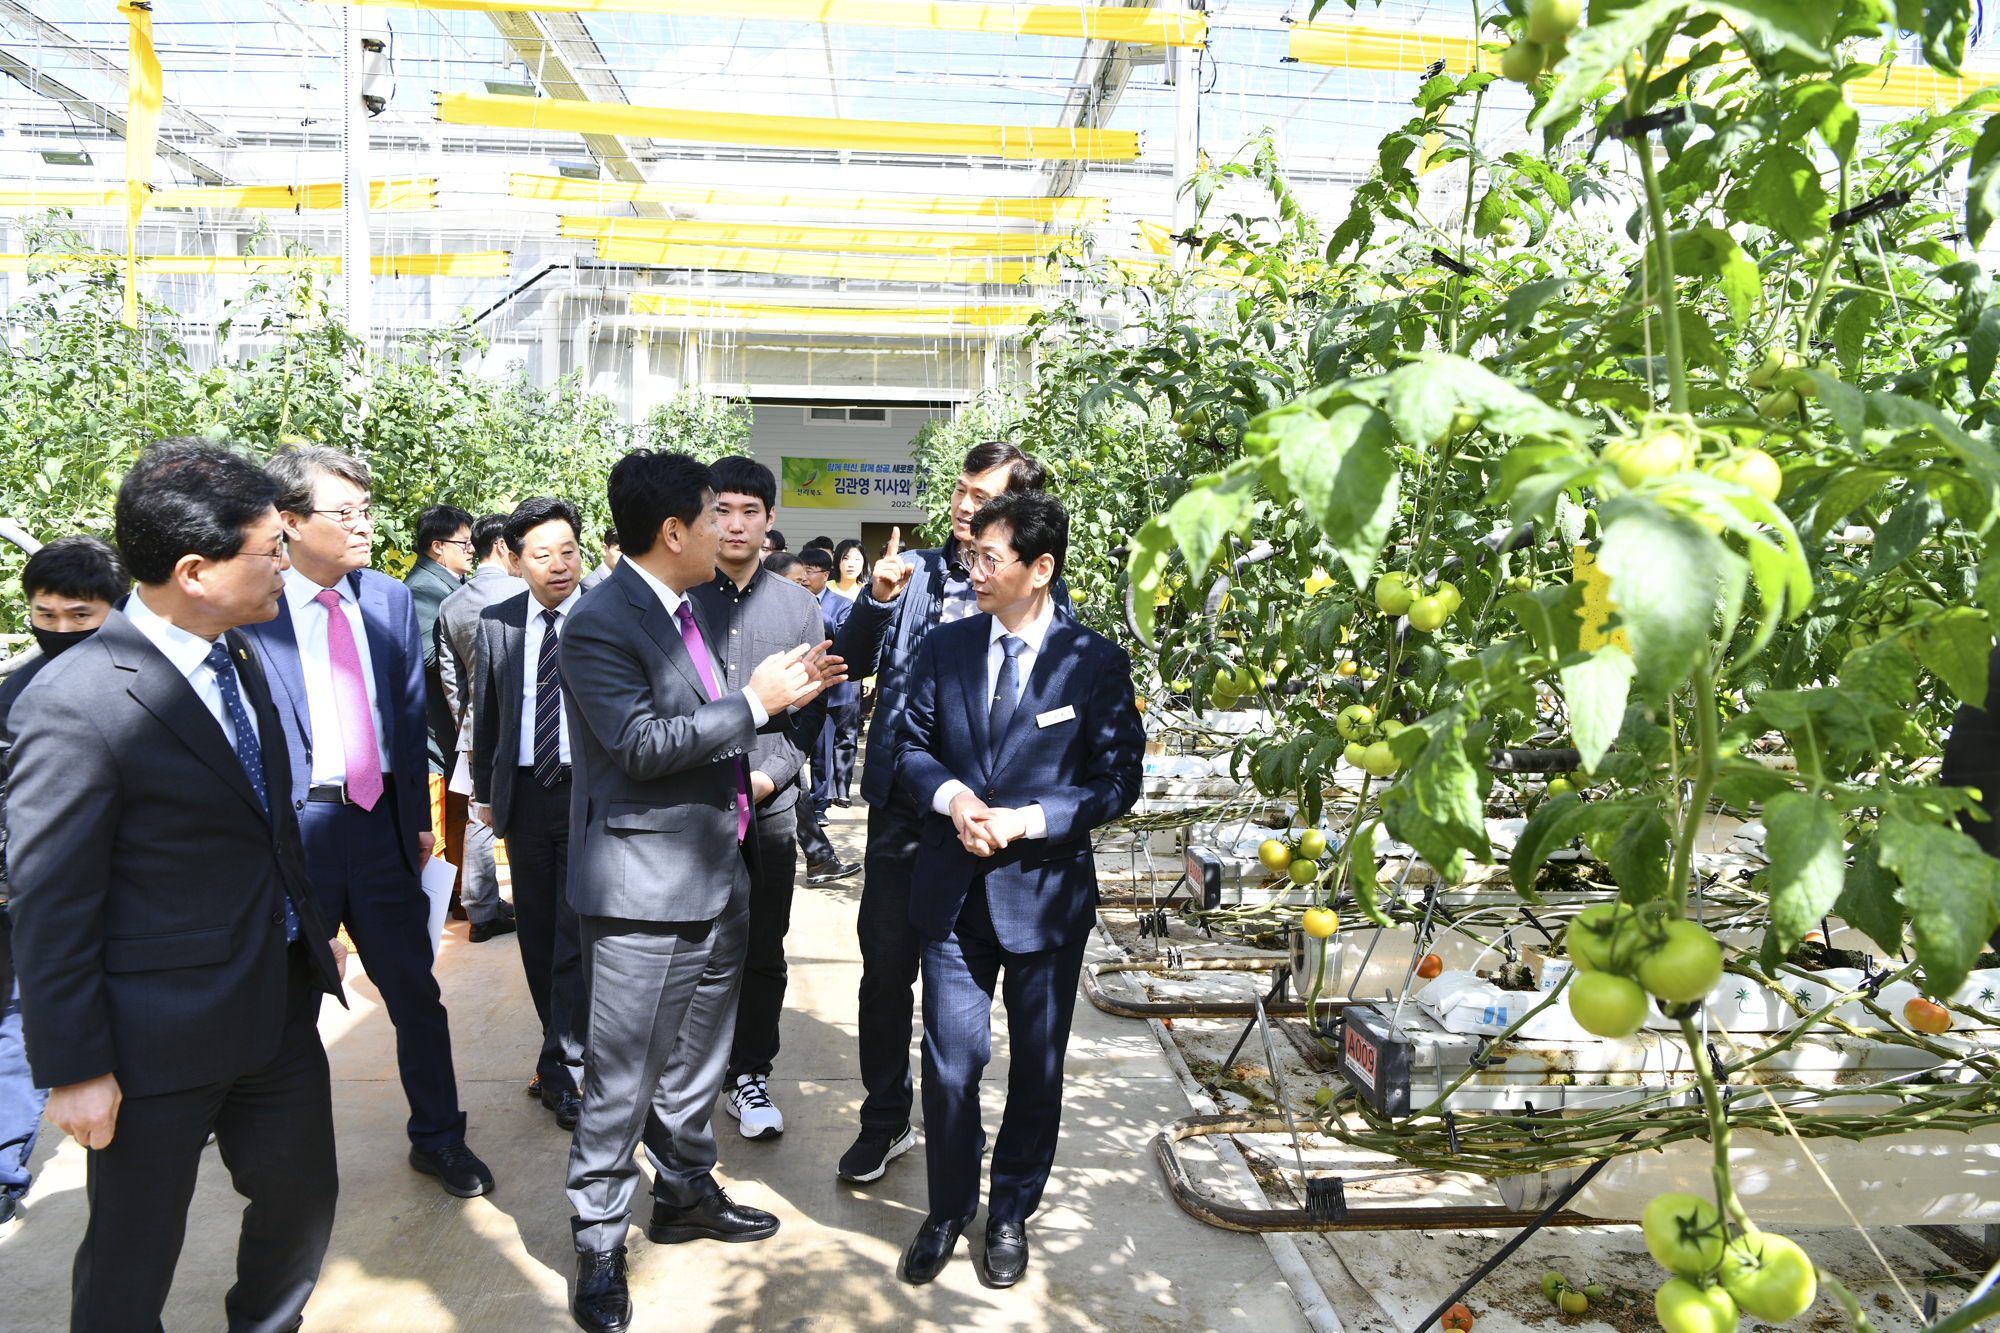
[847, 483]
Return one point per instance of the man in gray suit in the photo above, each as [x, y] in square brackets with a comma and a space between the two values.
[606, 565]
[658, 872]
[457, 635]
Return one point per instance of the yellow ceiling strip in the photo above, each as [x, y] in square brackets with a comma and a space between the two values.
[1112, 23]
[660, 122]
[522, 185]
[145, 91]
[667, 254]
[1349, 46]
[653, 303]
[407, 194]
[477, 264]
[935, 245]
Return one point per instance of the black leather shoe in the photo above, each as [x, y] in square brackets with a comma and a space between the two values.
[931, 1250]
[567, 1105]
[715, 1218]
[457, 1169]
[828, 872]
[601, 1304]
[534, 1088]
[1006, 1252]
[483, 931]
[506, 909]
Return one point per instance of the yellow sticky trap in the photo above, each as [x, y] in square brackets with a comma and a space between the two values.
[1597, 604]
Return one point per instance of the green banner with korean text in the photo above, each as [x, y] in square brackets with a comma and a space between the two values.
[846, 483]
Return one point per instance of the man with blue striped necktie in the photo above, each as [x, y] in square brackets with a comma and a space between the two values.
[521, 778]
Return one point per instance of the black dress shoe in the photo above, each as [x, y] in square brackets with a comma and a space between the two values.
[535, 1086]
[1006, 1252]
[829, 871]
[567, 1105]
[457, 1169]
[932, 1248]
[716, 1217]
[483, 931]
[602, 1303]
[506, 909]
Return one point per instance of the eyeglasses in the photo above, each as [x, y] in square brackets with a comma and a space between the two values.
[353, 519]
[464, 545]
[988, 563]
[276, 557]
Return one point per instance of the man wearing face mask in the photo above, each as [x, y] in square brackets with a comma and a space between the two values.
[71, 584]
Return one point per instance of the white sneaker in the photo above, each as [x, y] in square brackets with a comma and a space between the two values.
[750, 1102]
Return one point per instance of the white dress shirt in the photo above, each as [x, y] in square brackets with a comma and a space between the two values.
[1033, 634]
[672, 600]
[329, 756]
[189, 655]
[530, 673]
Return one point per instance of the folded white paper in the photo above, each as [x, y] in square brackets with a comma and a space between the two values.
[438, 878]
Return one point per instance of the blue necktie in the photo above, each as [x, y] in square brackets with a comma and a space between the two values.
[248, 752]
[1006, 693]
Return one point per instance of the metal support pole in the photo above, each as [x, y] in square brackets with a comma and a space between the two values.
[356, 282]
[1186, 71]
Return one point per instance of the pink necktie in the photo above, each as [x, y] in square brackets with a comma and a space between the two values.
[350, 696]
[698, 650]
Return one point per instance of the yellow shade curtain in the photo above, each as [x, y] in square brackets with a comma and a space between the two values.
[654, 303]
[472, 264]
[931, 244]
[524, 185]
[145, 90]
[1112, 23]
[669, 255]
[399, 195]
[732, 127]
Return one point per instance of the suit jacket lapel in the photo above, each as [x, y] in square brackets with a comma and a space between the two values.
[278, 644]
[664, 629]
[513, 678]
[972, 673]
[1045, 684]
[374, 603]
[163, 691]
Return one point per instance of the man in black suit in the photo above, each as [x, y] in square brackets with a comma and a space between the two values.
[171, 953]
[521, 777]
[444, 556]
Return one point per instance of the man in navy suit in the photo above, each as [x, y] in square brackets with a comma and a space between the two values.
[347, 675]
[1020, 737]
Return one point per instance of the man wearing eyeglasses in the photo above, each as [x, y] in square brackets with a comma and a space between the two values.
[444, 555]
[347, 674]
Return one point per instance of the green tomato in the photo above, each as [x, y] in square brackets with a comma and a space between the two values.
[1354, 753]
[1606, 1004]
[1552, 20]
[1319, 922]
[1781, 403]
[1303, 871]
[1354, 721]
[1273, 855]
[1379, 761]
[1557, 52]
[1393, 595]
[1777, 360]
[1312, 844]
[1756, 470]
[1448, 594]
[1553, 1284]
[1391, 729]
[1601, 938]
[1593, 1291]
[1573, 1302]
[1684, 1232]
[1522, 61]
[1682, 1307]
[1684, 965]
[1560, 787]
[1428, 613]
[1769, 1277]
[1660, 454]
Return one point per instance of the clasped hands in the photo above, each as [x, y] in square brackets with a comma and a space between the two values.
[794, 678]
[985, 829]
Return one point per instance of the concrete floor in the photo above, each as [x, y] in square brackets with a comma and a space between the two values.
[1109, 1249]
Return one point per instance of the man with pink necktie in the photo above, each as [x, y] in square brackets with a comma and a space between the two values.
[347, 676]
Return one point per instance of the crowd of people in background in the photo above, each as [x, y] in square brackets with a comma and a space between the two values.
[269, 751]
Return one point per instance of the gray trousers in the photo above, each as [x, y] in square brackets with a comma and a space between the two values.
[662, 1009]
[478, 880]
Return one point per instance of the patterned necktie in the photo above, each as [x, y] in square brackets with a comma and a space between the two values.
[248, 752]
[698, 650]
[548, 706]
[362, 759]
[1006, 694]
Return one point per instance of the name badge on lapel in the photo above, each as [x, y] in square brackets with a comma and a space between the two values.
[1055, 715]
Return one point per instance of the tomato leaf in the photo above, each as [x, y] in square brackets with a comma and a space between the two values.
[1784, 193]
[1868, 900]
[1956, 647]
[1595, 51]
[1948, 886]
[1665, 577]
[1437, 808]
[1554, 823]
[1344, 469]
[1595, 690]
[1803, 842]
[1982, 348]
[1639, 857]
[1152, 550]
[1982, 194]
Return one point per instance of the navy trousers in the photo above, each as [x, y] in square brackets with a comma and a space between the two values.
[890, 951]
[1039, 990]
[551, 951]
[355, 860]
